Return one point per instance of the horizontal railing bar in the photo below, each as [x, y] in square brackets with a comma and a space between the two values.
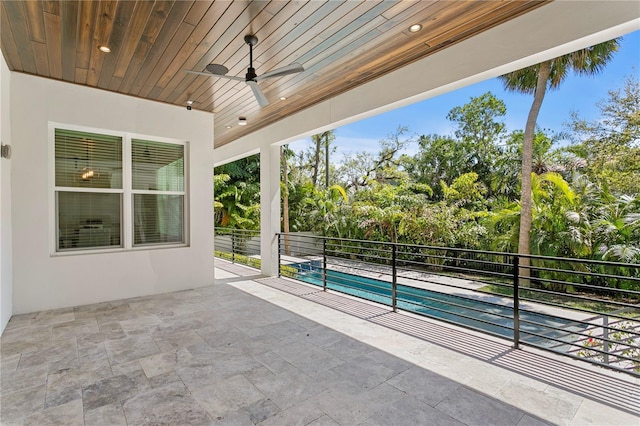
[425, 280]
[337, 259]
[584, 273]
[458, 315]
[582, 285]
[462, 307]
[592, 348]
[578, 297]
[370, 256]
[588, 325]
[573, 308]
[530, 256]
[422, 261]
[583, 359]
[491, 274]
[584, 334]
[460, 259]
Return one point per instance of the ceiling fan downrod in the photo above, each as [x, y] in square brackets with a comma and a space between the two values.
[251, 40]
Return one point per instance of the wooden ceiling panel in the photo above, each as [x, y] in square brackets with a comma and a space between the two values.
[36, 21]
[151, 32]
[341, 44]
[168, 30]
[69, 15]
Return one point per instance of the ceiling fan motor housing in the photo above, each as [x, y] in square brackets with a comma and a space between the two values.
[251, 74]
[251, 40]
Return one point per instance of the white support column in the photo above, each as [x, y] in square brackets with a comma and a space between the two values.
[269, 208]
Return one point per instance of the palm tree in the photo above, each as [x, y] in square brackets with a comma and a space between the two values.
[617, 226]
[324, 209]
[285, 198]
[535, 80]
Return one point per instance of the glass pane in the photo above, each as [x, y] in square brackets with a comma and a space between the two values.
[87, 220]
[158, 219]
[88, 160]
[157, 166]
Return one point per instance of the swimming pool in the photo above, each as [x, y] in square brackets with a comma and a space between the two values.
[481, 315]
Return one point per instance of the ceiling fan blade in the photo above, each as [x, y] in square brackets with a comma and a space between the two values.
[257, 92]
[289, 69]
[217, 69]
[208, 74]
[201, 73]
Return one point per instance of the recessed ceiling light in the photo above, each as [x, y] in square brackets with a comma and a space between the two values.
[104, 49]
[242, 121]
[228, 127]
[415, 28]
[283, 98]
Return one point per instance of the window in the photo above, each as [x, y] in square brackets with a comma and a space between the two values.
[101, 203]
[158, 192]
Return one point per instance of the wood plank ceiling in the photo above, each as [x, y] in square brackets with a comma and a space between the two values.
[341, 44]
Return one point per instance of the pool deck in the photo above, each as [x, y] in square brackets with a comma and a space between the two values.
[271, 351]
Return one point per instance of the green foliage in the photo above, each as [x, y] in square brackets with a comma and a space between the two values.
[236, 188]
[238, 258]
[362, 169]
[463, 190]
[285, 271]
[623, 342]
[610, 147]
[326, 210]
[535, 80]
[475, 146]
[588, 61]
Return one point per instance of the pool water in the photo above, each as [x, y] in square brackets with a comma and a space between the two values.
[477, 314]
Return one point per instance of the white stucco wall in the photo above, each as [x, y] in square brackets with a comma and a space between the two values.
[6, 271]
[45, 281]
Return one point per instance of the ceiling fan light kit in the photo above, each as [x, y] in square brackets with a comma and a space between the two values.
[251, 78]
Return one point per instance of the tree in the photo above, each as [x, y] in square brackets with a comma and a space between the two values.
[284, 153]
[617, 225]
[380, 208]
[560, 220]
[475, 146]
[610, 146]
[535, 80]
[237, 193]
[480, 131]
[321, 143]
[439, 158]
[325, 210]
[362, 169]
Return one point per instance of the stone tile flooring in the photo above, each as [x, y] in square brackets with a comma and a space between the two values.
[250, 350]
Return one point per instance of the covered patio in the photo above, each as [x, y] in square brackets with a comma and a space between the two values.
[303, 356]
[123, 329]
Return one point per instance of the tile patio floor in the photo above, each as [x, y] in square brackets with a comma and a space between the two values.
[250, 350]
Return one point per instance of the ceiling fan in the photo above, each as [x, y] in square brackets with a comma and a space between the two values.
[251, 78]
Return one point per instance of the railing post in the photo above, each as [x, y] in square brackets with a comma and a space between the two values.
[516, 302]
[279, 255]
[605, 335]
[324, 264]
[233, 246]
[394, 278]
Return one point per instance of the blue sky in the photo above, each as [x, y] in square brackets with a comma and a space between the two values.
[577, 93]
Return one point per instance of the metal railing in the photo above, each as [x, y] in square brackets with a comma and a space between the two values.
[589, 310]
[238, 246]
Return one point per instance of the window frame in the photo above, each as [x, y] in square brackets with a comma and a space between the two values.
[127, 193]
